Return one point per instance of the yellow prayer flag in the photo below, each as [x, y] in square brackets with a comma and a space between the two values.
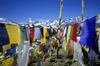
[34, 39]
[68, 34]
[43, 40]
[8, 62]
[45, 32]
[0, 53]
[63, 29]
[58, 42]
[61, 40]
[13, 33]
[30, 54]
[1, 59]
[37, 51]
[6, 47]
[99, 18]
[86, 48]
[50, 53]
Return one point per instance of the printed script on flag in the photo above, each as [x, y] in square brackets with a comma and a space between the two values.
[13, 32]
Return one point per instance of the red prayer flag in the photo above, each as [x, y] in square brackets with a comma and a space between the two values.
[44, 59]
[50, 31]
[74, 34]
[31, 33]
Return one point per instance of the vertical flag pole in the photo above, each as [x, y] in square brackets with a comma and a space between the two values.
[60, 17]
[82, 9]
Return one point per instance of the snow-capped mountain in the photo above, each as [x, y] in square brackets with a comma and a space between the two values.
[55, 23]
[6, 21]
[48, 23]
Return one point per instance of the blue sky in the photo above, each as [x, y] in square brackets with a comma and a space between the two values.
[21, 10]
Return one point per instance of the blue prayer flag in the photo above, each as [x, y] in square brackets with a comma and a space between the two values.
[11, 51]
[30, 51]
[47, 38]
[41, 29]
[61, 29]
[39, 64]
[53, 32]
[66, 31]
[4, 38]
[88, 31]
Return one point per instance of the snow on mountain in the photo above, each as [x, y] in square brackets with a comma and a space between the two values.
[6, 21]
[48, 23]
[55, 23]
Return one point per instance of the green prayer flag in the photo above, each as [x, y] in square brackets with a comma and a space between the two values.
[71, 31]
[65, 39]
[13, 45]
[24, 36]
[48, 30]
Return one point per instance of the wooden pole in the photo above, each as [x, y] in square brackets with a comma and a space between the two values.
[60, 17]
[82, 9]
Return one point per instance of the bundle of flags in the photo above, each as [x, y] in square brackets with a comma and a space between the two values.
[44, 59]
[41, 33]
[70, 32]
[9, 34]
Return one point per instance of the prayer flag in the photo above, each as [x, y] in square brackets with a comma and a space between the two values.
[71, 31]
[68, 33]
[44, 59]
[13, 45]
[38, 33]
[41, 29]
[88, 31]
[8, 62]
[63, 31]
[45, 32]
[34, 39]
[23, 33]
[31, 33]
[30, 51]
[13, 32]
[99, 18]
[53, 32]
[11, 51]
[6, 47]
[37, 51]
[0, 53]
[50, 53]
[48, 30]
[86, 48]
[74, 32]
[4, 38]
[1, 48]
[39, 64]
[43, 40]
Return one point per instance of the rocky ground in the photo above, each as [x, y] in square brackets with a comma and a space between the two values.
[61, 61]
